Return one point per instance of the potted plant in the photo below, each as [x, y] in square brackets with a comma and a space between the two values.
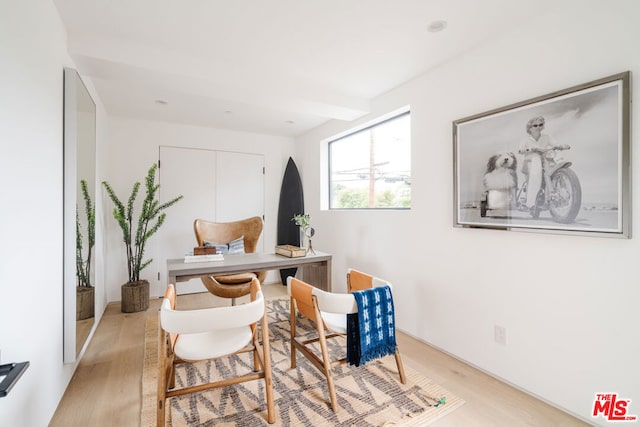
[135, 293]
[302, 220]
[85, 292]
[306, 231]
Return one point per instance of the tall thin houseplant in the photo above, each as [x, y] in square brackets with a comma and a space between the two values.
[149, 221]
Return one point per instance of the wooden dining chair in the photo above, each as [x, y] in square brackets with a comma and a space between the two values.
[205, 334]
[359, 281]
[328, 312]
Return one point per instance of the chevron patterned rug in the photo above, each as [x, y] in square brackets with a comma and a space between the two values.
[369, 395]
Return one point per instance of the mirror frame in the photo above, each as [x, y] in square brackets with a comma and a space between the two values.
[71, 189]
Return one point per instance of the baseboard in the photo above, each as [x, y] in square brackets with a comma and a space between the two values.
[499, 378]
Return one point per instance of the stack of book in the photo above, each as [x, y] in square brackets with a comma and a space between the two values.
[291, 251]
[190, 257]
[204, 250]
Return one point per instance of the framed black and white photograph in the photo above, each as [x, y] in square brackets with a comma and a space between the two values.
[557, 163]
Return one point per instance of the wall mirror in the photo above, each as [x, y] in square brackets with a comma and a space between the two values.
[79, 214]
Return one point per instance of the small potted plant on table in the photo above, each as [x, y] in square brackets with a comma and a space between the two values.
[306, 231]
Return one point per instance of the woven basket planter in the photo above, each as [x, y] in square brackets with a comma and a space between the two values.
[135, 296]
[85, 302]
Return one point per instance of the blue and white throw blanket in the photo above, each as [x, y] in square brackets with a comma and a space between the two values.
[371, 331]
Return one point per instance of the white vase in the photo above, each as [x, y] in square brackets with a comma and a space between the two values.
[304, 240]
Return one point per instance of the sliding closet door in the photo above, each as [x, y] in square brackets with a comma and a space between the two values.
[192, 173]
[239, 187]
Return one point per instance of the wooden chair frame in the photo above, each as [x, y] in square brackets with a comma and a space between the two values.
[359, 281]
[167, 359]
[305, 300]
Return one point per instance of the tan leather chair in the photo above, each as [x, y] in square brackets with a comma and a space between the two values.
[235, 285]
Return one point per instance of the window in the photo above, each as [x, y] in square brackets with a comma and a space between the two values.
[371, 167]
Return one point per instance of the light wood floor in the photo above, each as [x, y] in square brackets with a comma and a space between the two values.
[106, 387]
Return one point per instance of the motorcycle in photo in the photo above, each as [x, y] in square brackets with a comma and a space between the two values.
[560, 192]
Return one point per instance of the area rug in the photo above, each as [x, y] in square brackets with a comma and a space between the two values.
[369, 395]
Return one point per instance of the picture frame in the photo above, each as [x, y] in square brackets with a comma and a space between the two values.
[572, 147]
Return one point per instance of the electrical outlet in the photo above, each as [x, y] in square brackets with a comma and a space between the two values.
[500, 334]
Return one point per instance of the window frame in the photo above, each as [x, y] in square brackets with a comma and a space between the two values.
[369, 125]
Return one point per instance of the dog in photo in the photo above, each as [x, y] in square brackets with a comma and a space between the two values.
[501, 180]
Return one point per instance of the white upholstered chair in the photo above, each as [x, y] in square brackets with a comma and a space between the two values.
[194, 335]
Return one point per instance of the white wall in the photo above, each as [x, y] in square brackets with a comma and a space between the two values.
[33, 54]
[571, 333]
[134, 146]
[569, 303]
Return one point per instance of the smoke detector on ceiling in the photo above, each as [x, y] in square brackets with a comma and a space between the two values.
[436, 26]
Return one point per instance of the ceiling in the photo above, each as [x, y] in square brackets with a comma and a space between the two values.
[279, 67]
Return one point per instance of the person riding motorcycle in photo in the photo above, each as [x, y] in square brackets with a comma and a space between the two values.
[533, 147]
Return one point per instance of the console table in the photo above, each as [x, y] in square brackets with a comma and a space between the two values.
[316, 268]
